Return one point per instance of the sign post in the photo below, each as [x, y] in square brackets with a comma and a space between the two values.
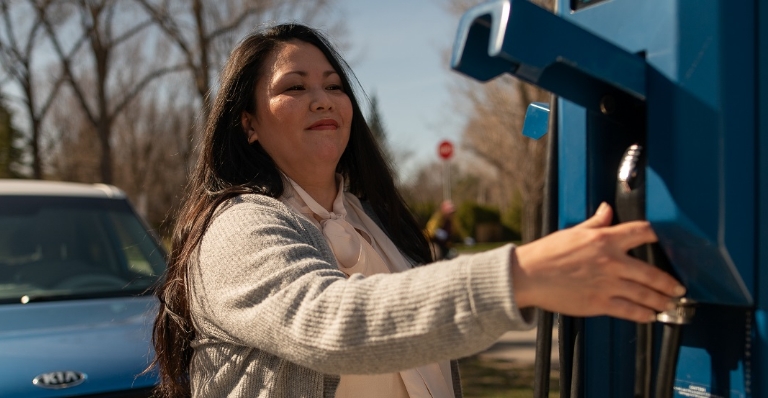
[445, 150]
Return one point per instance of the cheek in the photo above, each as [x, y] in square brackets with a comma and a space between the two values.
[346, 113]
[272, 128]
[283, 111]
[346, 109]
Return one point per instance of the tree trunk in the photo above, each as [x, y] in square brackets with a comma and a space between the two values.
[105, 166]
[531, 222]
[34, 143]
[37, 168]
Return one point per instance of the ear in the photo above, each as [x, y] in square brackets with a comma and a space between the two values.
[248, 122]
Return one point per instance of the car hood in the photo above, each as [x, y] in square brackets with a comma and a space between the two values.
[108, 340]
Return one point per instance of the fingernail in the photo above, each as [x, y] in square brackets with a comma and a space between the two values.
[602, 208]
[652, 318]
[679, 291]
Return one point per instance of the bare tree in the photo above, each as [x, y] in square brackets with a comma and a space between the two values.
[378, 128]
[95, 88]
[493, 133]
[10, 151]
[71, 133]
[425, 186]
[149, 134]
[205, 31]
[19, 42]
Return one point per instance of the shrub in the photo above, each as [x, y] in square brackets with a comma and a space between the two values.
[469, 214]
[512, 219]
[423, 211]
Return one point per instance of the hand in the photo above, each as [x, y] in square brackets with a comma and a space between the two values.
[586, 271]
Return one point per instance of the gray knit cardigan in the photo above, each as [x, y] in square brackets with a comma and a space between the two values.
[275, 317]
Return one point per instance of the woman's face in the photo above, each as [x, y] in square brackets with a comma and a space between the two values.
[303, 115]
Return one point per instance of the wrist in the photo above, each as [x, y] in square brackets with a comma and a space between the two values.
[521, 289]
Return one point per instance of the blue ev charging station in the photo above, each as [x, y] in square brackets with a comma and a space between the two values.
[661, 109]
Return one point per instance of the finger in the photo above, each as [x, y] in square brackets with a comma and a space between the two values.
[632, 234]
[625, 309]
[645, 274]
[642, 295]
[601, 218]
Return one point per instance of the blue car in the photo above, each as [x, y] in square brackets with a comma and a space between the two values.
[77, 266]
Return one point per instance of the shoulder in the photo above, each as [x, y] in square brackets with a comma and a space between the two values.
[252, 226]
[246, 215]
[251, 202]
[262, 207]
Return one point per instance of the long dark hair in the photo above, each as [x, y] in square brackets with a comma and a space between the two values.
[229, 166]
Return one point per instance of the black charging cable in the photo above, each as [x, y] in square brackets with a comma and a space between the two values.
[630, 206]
[543, 360]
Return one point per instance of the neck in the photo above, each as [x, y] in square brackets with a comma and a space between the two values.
[322, 189]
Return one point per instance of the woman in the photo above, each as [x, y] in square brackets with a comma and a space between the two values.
[441, 230]
[293, 271]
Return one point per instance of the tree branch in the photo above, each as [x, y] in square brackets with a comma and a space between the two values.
[140, 86]
[168, 25]
[65, 63]
[51, 95]
[234, 24]
[9, 29]
[130, 32]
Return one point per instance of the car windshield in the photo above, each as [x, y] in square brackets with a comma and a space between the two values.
[59, 248]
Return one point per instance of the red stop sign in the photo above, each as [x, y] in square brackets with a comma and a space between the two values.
[445, 149]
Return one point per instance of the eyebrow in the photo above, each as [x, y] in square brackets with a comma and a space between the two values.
[304, 73]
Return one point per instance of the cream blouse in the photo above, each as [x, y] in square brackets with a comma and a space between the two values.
[360, 246]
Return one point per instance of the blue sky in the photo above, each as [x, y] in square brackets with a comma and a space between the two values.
[399, 51]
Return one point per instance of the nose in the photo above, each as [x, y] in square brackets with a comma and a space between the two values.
[321, 100]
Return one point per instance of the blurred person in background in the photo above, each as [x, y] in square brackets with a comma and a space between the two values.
[441, 231]
[296, 269]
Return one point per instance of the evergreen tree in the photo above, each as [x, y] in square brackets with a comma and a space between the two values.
[376, 123]
[10, 152]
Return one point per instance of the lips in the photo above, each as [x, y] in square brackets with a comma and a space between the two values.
[324, 124]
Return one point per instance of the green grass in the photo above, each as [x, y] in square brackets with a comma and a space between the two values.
[496, 379]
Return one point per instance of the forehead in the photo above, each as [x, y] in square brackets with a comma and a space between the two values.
[297, 57]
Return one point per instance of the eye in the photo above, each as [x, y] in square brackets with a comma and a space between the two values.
[295, 88]
[335, 87]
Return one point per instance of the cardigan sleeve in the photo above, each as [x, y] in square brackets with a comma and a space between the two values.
[265, 278]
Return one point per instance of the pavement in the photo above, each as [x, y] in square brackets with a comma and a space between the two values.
[519, 348]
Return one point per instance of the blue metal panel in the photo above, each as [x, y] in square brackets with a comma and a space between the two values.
[507, 27]
[757, 386]
[701, 125]
[495, 38]
[691, 67]
[701, 170]
[572, 152]
[610, 367]
[738, 96]
[599, 359]
[685, 146]
[636, 26]
[760, 379]
[536, 121]
[712, 356]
